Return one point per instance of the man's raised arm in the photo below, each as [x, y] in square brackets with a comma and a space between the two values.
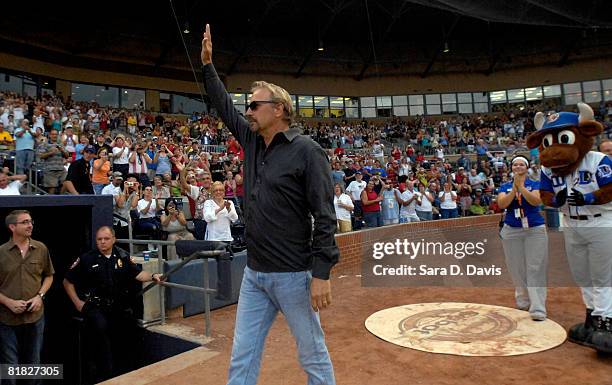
[219, 97]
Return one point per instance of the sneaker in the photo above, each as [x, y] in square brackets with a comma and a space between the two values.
[538, 317]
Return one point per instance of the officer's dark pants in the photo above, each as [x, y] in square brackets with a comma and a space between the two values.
[110, 339]
[200, 229]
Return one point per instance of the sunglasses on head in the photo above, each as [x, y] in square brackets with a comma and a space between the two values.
[255, 104]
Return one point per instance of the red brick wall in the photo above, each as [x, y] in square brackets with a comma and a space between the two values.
[353, 244]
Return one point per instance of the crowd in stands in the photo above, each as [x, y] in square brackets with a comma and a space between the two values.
[166, 172]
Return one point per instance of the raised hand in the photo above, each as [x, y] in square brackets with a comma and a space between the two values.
[206, 54]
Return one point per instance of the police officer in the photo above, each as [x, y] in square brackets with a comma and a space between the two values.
[98, 284]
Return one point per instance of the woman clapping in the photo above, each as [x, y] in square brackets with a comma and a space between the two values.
[219, 213]
[524, 239]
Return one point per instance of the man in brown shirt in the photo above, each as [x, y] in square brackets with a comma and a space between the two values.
[26, 274]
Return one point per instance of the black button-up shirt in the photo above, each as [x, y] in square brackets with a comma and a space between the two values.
[286, 185]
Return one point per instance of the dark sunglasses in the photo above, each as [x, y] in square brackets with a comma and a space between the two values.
[255, 104]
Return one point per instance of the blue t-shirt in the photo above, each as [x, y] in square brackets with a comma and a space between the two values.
[534, 218]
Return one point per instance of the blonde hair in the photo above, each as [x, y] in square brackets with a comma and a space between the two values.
[277, 94]
[217, 184]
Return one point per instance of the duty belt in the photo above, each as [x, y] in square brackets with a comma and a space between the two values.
[101, 302]
[584, 217]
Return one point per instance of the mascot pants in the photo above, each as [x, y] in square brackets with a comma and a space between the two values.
[589, 253]
[526, 252]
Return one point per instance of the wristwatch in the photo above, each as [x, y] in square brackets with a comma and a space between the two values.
[41, 295]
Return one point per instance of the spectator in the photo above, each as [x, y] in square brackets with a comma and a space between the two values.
[151, 150]
[121, 154]
[69, 140]
[24, 146]
[83, 142]
[13, 187]
[78, 180]
[174, 223]
[605, 146]
[239, 192]
[464, 191]
[408, 202]
[101, 171]
[378, 151]
[6, 140]
[137, 163]
[148, 207]
[390, 203]
[343, 206]
[159, 190]
[370, 201]
[199, 223]
[354, 190]
[424, 203]
[464, 162]
[448, 202]
[337, 174]
[478, 206]
[52, 156]
[349, 173]
[230, 185]
[162, 160]
[125, 198]
[219, 213]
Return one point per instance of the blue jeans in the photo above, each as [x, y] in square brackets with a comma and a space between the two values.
[448, 213]
[23, 160]
[373, 219]
[98, 187]
[425, 215]
[21, 344]
[262, 296]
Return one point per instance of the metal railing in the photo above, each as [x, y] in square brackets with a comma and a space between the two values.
[160, 269]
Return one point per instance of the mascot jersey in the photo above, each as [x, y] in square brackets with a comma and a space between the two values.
[594, 172]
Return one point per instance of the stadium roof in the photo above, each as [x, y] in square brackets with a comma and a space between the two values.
[360, 38]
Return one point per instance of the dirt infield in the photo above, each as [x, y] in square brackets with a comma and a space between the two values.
[360, 358]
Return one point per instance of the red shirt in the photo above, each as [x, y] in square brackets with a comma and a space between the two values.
[373, 208]
[233, 147]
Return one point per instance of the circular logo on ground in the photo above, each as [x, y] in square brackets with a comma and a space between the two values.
[458, 324]
[465, 329]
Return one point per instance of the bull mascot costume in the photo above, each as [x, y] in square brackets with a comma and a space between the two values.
[579, 182]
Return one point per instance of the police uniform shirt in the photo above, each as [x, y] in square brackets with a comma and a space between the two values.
[105, 277]
[594, 172]
[534, 218]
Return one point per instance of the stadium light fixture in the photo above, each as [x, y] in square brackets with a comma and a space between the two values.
[186, 29]
[320, 48]
[446, 49]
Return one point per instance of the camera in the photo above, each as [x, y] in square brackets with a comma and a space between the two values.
[178, 203]
[129, 184]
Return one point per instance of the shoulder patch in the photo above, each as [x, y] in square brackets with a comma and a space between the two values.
[604, 171]
[75, 263]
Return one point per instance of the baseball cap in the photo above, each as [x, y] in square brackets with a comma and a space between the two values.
[117, 175]
[478, 190]
[357, 172]
[90, 149]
